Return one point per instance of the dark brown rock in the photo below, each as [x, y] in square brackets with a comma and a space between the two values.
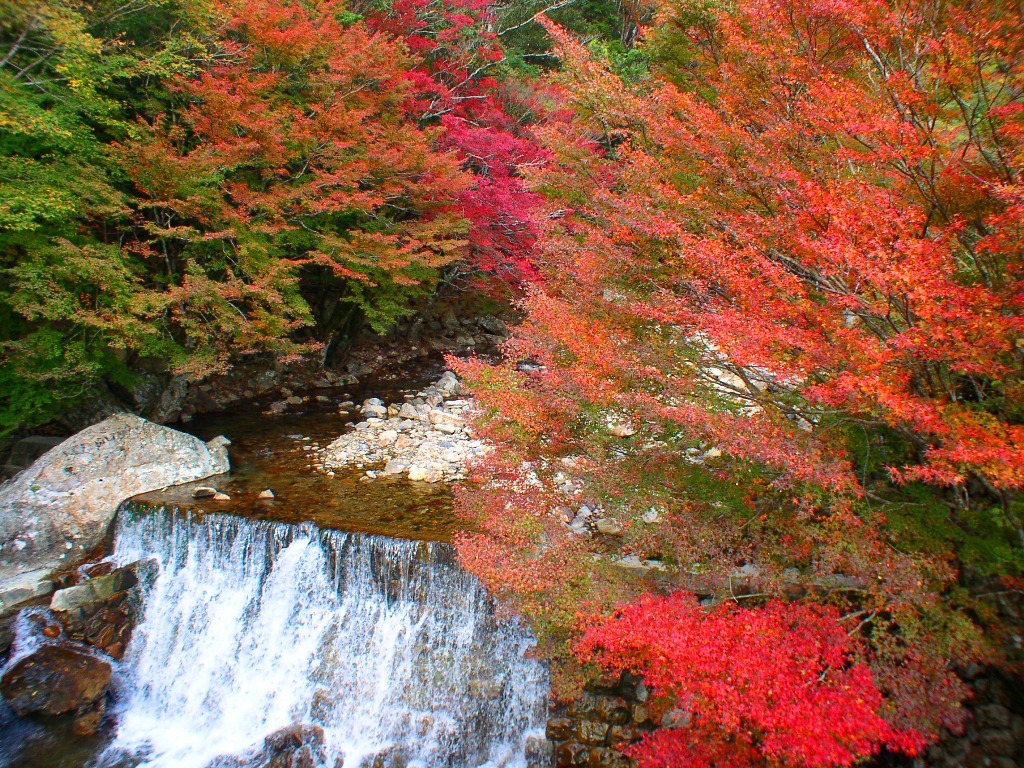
[110, 616]
[571, 754]
[624, 734]
[1017, 726]
[559, 728]
[54, 679]
[106, 624]
[601, 757]
[993, 716]
[116, 650]
[975, 756]
[605, 682]
[539, 753]
[591, 731]
[641, 715]
[87, 723]
[95, 570]
[391, 757]
[958, 748]
[297, 746]
[584, 706]
[615, 710]
[103, 636]
[998, 742]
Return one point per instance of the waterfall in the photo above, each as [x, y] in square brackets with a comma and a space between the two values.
[250, 626]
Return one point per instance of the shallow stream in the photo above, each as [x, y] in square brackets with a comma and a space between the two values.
[337, 604]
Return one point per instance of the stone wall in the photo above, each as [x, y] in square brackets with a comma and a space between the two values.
[994, 738]
[607, 714]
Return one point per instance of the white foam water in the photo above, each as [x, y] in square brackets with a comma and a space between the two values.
[251, 626]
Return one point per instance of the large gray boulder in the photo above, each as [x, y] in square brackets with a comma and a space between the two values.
[58, 509]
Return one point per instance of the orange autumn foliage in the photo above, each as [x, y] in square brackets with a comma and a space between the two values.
[782, 304]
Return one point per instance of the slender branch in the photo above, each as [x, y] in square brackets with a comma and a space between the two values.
[17, 43]
[533, 18]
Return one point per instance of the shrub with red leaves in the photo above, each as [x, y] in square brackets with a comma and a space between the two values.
[771, 686]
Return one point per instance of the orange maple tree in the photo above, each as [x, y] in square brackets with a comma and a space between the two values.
[779, 338]
[290, 188]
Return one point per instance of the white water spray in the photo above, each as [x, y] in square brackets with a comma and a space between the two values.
[252, 626]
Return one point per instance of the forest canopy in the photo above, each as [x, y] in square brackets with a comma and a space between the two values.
[769, 256]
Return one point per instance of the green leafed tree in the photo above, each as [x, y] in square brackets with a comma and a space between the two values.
[186, 181]
[72, 304]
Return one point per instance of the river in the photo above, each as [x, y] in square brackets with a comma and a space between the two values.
[337, 604]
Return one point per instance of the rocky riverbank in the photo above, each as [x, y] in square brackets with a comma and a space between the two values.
[288, 385]
[56, 511]
[63, 657]
[163, 398]
[425, 438]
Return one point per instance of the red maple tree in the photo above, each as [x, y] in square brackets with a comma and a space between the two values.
[486, 121]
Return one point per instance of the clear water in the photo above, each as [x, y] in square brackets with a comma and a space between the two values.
[275, 452]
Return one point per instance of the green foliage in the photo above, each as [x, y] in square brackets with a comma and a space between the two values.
[120, 239]
[348, 18]
[602, 21]
[672, 49]
[631, 64]
[921, 519]
[66, 294]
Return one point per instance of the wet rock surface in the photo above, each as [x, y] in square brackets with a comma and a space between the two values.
[587, 732]
[425, 438]
[300, 746]
[54, 679]
[391, 757]
[295, 746]
[63, 658]
[102, 611]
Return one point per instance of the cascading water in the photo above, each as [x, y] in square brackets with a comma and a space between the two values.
[250, 626]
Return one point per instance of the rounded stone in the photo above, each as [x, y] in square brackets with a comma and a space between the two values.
[591, 731]
[55, 679]
[559, 728]
[570, 754]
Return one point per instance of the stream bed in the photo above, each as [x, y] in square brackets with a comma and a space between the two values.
[337, 606]
[276, 452]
